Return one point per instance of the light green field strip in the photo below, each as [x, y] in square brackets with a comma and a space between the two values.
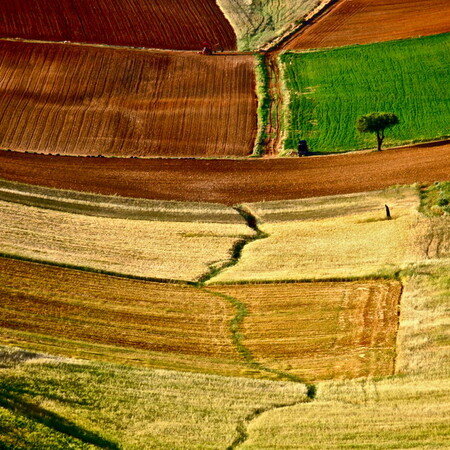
[335, 238]
[330, 89]
[118, 407]
[115, 206]
[149, 249]
[256, 22]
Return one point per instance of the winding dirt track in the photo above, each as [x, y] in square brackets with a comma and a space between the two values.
[165, 24]
[365, 21]
[232, 181]
[85, 100]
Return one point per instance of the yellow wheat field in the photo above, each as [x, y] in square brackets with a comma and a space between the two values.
[160, 249]
[314, 240]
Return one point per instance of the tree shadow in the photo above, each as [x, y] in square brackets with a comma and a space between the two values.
[52, 420]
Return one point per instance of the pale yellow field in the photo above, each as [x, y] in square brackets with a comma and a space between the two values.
[146, 248]
[315, 239]
[256, 22]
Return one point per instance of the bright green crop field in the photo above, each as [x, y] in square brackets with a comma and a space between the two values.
[330, 89]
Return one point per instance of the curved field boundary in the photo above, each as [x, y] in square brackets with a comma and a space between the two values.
[83, 100]
[167, 24]
[366, 21]
[232, 182]
[116, 207]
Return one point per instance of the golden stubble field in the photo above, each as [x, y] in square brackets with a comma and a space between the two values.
[144, 248]
[93, 316]
[320, 331]
[343, 237]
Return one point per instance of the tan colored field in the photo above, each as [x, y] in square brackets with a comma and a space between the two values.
[82, 100]
[411, 410]
[320, 331]
[153, 249]
[329, 238]
[72, 313]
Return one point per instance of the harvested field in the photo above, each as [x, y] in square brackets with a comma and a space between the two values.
[329, 89]
[232, 182]
[143, 248]
[357, 241]
[366, 21]
[168, 24]
[81, 100]
[320, 331]
[73, 313]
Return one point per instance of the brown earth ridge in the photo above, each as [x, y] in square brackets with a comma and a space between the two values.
[232, 181]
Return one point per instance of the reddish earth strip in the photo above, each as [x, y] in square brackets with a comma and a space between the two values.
[168, 24]
[83, 100]
[365, 21]
[232, 181]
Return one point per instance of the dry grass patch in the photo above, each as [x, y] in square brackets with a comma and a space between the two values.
[321, 330]
[330, 238]
[72, 313]
[160, 249]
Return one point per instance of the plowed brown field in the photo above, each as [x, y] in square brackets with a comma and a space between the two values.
[87, 101]
[232, 182]
[73, 313]
[322, 330]
[366, 21]
[169, 24]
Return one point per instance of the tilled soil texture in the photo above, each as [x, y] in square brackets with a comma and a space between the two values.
[74, 313]
[232, 181]
[365, 21]
[168, 24]
[321, 331]
[97, 101]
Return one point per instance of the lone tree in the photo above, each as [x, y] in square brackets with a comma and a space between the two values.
[376, 122]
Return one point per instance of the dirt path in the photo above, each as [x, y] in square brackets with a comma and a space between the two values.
[274, 132]
[232, 181]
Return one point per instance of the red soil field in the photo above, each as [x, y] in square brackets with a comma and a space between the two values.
[82, 100]
[232, 181]
[366, 21]
[168, 24]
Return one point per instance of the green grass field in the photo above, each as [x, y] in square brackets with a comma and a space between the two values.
[54, 403]
[330, 89]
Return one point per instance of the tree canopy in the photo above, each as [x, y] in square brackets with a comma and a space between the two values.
[377, 122]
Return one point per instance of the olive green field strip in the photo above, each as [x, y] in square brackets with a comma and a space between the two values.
[151, 249]
[89, 101]
[98, 405]
[167, 24]
[329, 89]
